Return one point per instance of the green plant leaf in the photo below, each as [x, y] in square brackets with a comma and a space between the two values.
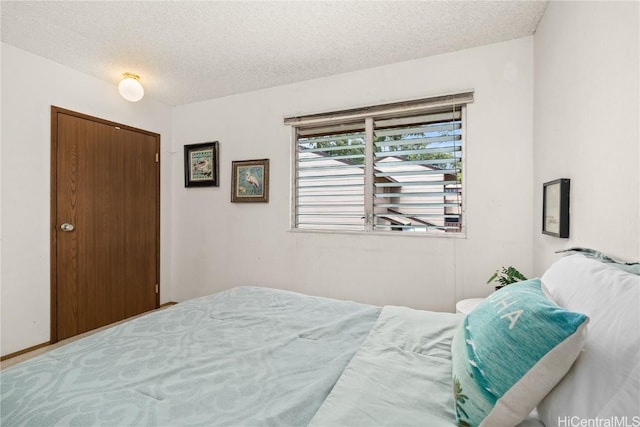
[506, 276]
[493, 277]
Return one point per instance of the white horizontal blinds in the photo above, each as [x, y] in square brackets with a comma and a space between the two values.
[417, 172]
[403, 173]
[329, 188]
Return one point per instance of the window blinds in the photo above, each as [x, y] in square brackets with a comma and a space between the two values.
[330, 181]
[417, 169]
[396, 167]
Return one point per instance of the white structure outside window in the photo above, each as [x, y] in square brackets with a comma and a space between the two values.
[388, 168]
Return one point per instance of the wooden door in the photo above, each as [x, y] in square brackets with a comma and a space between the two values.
[105, 222]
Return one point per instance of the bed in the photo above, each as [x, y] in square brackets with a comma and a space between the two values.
[253, 356]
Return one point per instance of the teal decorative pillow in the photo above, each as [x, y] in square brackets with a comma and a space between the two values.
[509, 352]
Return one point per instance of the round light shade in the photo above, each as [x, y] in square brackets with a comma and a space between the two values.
[130, 88]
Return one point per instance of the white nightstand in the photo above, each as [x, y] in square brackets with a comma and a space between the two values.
[465, 306]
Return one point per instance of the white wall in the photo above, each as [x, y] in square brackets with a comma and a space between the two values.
[30, 85]
[586, 125]
[217, 244]
[585, 118]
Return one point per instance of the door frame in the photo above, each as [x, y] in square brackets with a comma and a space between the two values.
[54, 207]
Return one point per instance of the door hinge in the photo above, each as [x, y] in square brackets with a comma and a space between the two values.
[157, 157]
[157, 288]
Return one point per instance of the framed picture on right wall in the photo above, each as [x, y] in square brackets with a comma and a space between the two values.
[555, 208]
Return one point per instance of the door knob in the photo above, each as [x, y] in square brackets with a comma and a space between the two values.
[67, 227]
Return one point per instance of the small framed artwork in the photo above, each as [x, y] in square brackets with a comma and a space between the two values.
[250, 181]
[555, 208]
[201, 165]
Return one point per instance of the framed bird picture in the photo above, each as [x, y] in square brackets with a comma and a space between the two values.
[250, 180]
[201, 165]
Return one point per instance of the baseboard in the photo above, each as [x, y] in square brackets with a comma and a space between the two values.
[44, 344]
[167, 304]
[26, 350]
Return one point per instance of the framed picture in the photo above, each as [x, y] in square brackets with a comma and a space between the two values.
[250, 181]
[201, 165]
[555, 208]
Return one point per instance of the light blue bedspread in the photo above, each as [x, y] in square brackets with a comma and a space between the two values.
[400, 376]
[244, 357]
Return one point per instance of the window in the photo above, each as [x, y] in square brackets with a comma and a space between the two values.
[394, 168]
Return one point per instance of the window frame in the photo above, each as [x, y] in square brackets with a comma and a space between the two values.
[368, 115]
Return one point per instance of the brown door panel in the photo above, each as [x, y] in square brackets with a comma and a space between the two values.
[107, 186]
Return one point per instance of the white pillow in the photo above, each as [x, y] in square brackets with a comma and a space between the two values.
[604, 382]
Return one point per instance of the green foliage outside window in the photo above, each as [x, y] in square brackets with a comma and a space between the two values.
[453, 164]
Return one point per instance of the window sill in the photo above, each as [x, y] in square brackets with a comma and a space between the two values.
[462, 235]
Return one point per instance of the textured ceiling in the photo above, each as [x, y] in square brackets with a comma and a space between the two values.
[188, 51]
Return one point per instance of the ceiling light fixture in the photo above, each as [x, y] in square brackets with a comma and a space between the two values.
[130, 87]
